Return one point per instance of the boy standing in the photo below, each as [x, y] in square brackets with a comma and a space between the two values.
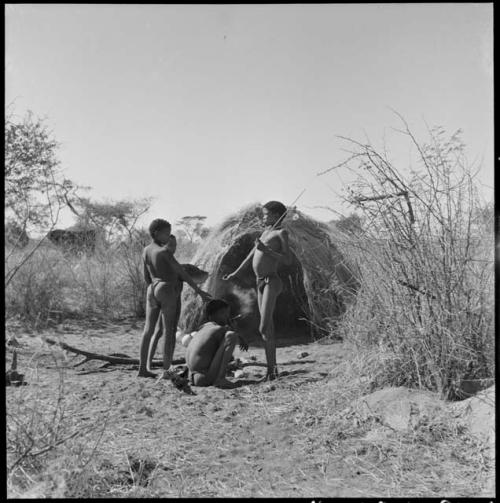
[210, 350]
[198, 277]
[269, 250]
[162, 273]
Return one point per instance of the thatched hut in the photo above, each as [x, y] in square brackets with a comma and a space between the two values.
[316, 286]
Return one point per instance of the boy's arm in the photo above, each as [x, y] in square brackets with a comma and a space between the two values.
[243, 342]
[147, 276]
[283, 257]
[241, 266]
[185, 276]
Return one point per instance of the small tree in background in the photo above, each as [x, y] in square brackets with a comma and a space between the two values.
[117, 219]
[193, 227]
[35, 188]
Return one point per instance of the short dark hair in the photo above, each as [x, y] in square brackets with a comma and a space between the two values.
[275, 207]
[157, 225]
[215, 305]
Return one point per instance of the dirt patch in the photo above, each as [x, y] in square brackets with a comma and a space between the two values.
[145, 438]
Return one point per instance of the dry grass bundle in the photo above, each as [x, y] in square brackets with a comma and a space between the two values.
[317, 286]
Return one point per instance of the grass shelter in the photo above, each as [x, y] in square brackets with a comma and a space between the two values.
[316, 286]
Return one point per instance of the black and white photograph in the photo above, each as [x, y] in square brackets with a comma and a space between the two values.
[249, 251]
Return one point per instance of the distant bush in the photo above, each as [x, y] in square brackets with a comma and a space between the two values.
[425, 262]
[55, 284]
[37, 290]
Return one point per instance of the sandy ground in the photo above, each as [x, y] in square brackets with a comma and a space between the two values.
[259, 439]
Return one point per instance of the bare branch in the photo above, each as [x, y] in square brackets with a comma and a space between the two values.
[107, 358]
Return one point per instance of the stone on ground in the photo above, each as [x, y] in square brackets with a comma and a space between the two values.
[398, 408]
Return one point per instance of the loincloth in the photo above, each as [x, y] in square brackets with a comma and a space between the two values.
[153, 299]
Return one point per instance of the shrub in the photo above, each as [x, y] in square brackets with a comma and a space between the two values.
[46, 450]
[37, 290]
[425, 262]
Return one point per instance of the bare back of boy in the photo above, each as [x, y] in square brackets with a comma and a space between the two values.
[208, 354]
[162, 296]
[199, 276]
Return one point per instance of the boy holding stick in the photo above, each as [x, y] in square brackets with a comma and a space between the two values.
[269, 250]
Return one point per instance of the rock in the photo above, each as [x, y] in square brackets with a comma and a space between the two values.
[239, 374]
[398, 408]
[303, 354]
[478, 414]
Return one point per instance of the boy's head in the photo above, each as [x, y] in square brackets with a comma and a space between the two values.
[218, 310]
[272, 212]
[159, 230]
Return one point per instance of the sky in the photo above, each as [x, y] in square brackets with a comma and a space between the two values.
[208, 108]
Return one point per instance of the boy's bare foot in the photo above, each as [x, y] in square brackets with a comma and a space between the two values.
[272, 374]
[146, 373]
[225, 384]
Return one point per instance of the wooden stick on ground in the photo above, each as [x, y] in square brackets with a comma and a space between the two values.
[116, 360]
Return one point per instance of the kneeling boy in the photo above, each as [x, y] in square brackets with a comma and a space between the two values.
[210, 351]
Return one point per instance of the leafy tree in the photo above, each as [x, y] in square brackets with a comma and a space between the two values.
[35, 188]
[193, 227]
[116, 218]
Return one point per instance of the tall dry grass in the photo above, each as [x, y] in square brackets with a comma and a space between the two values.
[54, 283]
[424, 259]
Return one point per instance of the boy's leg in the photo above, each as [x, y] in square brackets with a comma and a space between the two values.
[228, 343]
[268, 302]
[167, 295]
[216, 373]
[159, 332]
[178, 315]
[152, 314]
[154, 341]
